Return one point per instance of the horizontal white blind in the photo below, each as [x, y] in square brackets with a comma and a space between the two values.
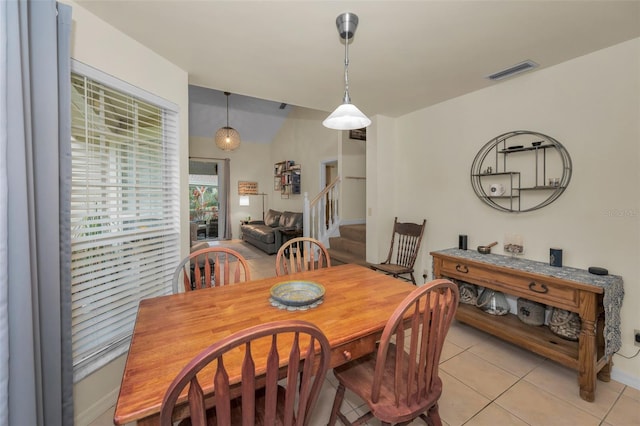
[124, 215]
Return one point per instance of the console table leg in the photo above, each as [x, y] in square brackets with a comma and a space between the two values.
[605, 372]
[587, 352]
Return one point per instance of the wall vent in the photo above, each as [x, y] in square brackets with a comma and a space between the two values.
[513, 70]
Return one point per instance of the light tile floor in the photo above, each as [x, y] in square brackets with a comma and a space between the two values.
[489, 382]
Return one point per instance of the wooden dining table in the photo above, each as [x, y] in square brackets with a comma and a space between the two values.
[171, 330]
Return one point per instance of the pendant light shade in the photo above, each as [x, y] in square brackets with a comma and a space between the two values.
[347, 116]
[227, 138]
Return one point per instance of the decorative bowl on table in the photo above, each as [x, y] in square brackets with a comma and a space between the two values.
[296, 295]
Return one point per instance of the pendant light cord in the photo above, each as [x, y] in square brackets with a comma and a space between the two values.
[347, 98]
[227, 95]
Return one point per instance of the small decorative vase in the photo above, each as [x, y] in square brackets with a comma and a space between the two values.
[493, 302]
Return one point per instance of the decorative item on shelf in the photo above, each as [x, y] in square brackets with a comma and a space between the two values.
[530, 312]
[565, 324]
[493, 302]
[287, 178]
[347, 116]
[554, 182]
[596, 270]
[462, 242]
[555, 257]
[468, 292]
[513, 244]
[496, 190]
[227, 138]
[486, 249]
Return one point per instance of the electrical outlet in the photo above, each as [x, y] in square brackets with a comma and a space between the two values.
[636, 337]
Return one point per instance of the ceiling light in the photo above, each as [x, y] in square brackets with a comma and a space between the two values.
[347, 116]
[227, 138]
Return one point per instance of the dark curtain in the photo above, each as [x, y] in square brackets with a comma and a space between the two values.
[227, 198]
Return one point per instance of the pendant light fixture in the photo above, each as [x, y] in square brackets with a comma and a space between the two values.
[227, 138]
[347, 116]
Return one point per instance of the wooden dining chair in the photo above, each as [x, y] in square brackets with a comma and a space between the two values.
[400, 381]
[301, 254]
[261, 400]
[211, 267]
[405, 243]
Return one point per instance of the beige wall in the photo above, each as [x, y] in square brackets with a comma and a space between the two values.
[304, 140]
[592, 106]
[354, 184]
[101, 46]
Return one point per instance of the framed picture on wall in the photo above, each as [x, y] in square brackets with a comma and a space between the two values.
[358, 134]
[247, 188]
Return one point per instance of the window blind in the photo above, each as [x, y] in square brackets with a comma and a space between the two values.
[124, 212]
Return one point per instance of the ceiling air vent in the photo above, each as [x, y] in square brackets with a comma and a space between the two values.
[511, 71]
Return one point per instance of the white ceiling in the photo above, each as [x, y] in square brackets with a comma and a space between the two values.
[406, 55]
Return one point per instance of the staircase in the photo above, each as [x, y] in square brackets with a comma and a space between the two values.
[350, 246]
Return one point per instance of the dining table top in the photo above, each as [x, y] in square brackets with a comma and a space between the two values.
[171, 330]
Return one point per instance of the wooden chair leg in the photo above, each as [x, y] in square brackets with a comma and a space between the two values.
[433, 418]
[337, 402]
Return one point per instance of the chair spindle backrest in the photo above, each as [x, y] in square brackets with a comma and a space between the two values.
[216, 266]
[308, 352]
[408, 237]
[301, 254]
[431, 309]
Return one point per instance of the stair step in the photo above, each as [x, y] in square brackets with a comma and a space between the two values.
[354, 232]
[350, 246]
[343, 244]
[339, 257]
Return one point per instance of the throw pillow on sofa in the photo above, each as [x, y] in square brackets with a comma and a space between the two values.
[272, 218]
[291, 220]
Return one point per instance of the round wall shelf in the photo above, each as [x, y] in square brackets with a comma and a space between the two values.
[521, 171]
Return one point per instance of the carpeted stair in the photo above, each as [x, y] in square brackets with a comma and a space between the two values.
[350, 246]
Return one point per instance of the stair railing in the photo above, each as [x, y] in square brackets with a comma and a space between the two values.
[321, 215]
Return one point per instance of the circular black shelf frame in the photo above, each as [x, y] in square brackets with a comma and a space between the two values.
[494, 155]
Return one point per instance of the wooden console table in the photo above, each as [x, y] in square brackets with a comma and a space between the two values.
[566, 288]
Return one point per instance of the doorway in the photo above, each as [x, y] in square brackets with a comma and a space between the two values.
[328, 173]
[205, 207]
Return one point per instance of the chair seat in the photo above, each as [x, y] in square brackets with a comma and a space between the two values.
[357, 376]
[391, 268]
[236, 410]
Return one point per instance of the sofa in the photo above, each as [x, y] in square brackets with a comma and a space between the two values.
[265, 234]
